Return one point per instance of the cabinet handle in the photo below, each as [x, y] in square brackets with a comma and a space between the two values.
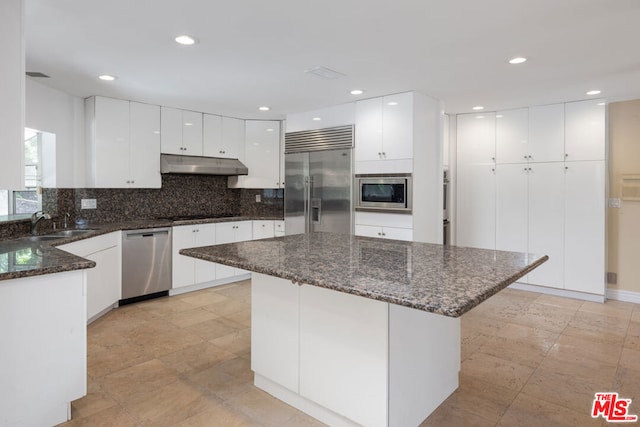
[566, 155]
[566, 168]
[379, 233]
[525, 157]
[128, 182]
[383, 234]
[493, 159]
[133, 182]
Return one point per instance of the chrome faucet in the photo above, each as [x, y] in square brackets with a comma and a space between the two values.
[66, 218]
[35, 219]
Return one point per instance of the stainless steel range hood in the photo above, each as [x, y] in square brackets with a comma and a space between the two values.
[195, 165]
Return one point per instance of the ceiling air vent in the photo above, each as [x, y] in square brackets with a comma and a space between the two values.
[36, 74]
[325, 73]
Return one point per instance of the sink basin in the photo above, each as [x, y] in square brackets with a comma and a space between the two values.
[69, 233]
[43, 238]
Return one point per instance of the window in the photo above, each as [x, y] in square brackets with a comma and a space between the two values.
[28, 200]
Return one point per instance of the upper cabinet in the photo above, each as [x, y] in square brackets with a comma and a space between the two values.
[123, 144]
[584, 130]
[261, 156]
[512, 136]
[546, 133]
[384, 129]
[181, 132]
[477, 138]
[12, 89]
[223, 137]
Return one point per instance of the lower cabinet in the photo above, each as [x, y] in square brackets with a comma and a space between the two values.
[263, 229]
[278, 228]
[384, 225]
[385, 232]
[104, 282]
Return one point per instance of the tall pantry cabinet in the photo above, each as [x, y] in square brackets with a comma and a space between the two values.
[542, 191]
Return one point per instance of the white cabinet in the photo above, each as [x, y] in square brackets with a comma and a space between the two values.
[585, 130]
[232, 232]
[584, 242]
[12, 83]
[263, 229]
[476, 135]
[546, 222]
[511, 207]
[181, 132]
[476, 206]
[187, 271]
[384, 232]
[261, 156]
[546, 133]
[123, 144]
[104, 281]
[384, 131]
[223, 137]
[512, 136]
[279, 228]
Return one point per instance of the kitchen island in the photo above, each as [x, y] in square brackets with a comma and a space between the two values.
[354, 330]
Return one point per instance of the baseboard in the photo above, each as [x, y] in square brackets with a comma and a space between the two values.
[211, 284]
[558, 292]
[626, 296]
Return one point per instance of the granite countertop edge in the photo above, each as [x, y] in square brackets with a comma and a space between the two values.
[454, 310]
[73, 262]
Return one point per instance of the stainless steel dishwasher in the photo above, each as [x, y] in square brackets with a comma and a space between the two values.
[146, 263]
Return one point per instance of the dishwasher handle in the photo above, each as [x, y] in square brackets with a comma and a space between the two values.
[139, 234]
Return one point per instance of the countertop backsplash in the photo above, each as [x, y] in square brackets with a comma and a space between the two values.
[179, 195]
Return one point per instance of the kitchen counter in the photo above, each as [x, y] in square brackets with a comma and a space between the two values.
[22, 257]
[446, 280]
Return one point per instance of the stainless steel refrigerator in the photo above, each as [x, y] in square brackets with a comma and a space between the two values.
[317, 192]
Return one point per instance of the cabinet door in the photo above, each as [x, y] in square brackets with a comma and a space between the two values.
[279, 228]
[368, 137]
[397, 126]
[183, 272]
[476, 138]
[111, 143]
[405, 234]
[212, 136]
[476, 206]
[511, 207]
[103, 281]
[171, 130]
[225, 233]
[546, 222]
[512, 134]
[368, 231]
[192, 133]
[243, 231]
[205, 235]
[145, 146]
[262, 154]
[233, 138]
[584, 130]
[263, 230]
[336, 329]
[584, 242]
[546, 133]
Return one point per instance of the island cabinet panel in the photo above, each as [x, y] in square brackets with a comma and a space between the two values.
[274, 330]
[344, 354]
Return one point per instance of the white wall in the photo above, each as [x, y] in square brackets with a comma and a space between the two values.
[11, 94]
[53, 111]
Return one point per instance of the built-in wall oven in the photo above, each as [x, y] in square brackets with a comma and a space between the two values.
[383, 192]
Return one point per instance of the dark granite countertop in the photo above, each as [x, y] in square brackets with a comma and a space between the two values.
[22, 257]
[447, 280]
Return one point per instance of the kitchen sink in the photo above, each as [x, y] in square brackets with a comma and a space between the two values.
[43, 238]
[69, 233]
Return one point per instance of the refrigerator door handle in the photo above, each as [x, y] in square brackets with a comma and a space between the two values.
[307, 195]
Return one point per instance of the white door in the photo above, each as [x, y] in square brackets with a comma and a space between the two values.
[585, 130]
[212, 136]
[368, 137]
[183, 271]
[476, 139]
[145, 146]
[262, 154]
[112, 143]
[191, 133]
[584, 243]
[546, 222]
[511, 207]
[546, 133]
[512, 136]
[205, 235]
[397, 126]
[476, 206]
[171, 130]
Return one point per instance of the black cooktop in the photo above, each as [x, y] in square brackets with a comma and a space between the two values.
[192, 217]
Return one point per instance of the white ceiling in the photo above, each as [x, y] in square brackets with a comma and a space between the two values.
[255, 52]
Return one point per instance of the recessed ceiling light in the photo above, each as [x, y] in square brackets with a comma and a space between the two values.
[499, 116]
[156, 132]
[478, 108]
[264, 108]
[316, 119]
[479, 117]
[392, 103]
[593, 92]
[107, 77]
[186, 40]
[188, 124]
[270, 130]
[356, 92]
[601, 104]
[517, 60]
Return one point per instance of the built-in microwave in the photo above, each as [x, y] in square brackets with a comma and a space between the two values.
[383, 192]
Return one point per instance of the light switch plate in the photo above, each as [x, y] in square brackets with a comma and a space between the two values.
[614, 203]
[258, 198]
[88, 204]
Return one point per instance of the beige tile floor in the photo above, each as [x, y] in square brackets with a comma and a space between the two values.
[527, 360]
